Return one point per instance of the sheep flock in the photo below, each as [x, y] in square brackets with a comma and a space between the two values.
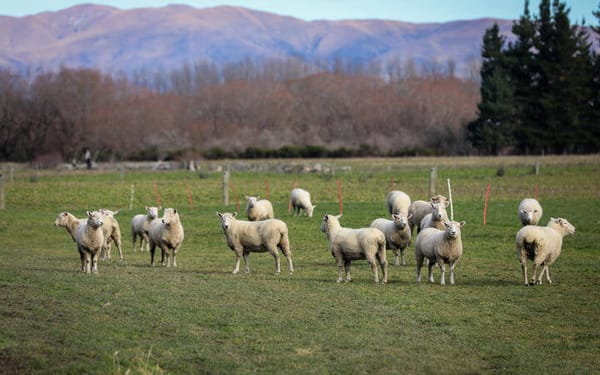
[437, 242]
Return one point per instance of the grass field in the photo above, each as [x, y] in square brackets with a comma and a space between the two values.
[132, 318]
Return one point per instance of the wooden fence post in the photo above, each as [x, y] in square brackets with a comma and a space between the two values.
[226, 188]
[432, 180]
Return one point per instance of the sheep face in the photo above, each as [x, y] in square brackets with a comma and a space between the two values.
[252, 201]
[562, 225]
[61, 219]
[453, 228]
[170, 216]
[227, 218]
[108, 213]
[400, 221]
[94, 219]
[438, 211]
[309, 210]
[152, 212]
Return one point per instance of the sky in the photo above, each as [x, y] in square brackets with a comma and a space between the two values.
[400, 10]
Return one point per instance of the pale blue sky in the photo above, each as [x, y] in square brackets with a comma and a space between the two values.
[401, 10]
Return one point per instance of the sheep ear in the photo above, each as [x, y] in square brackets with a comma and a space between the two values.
[409, 215]
[219, 214]
[174, 210]
[247, 197]
[338, 216]
[234, 214]
[446, 224]
[446, 204]
[462, 223]
[88, 213]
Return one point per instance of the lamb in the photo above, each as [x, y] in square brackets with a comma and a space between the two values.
[542, 245]
[348, 244]
[398, 202]
[419, 209]
[166, 233]
[397, 234]
[530, 211]
[69, 222]
[259, 209]
[437, 217]
[139, 227]
[244, 237]
[300, 200]
[111, 231]
[441, 247]
[90, 240]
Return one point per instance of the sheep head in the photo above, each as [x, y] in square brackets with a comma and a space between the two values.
[94, 219]
[227, 219]
[561, 225]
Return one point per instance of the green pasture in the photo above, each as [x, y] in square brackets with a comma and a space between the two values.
[132, 318]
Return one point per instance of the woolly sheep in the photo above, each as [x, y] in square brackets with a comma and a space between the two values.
[139, 227]
[69, 222]
[348, 244]
[398, 202]
[441, 247]
[111, 231]
[300, 200]
[530, 211]
[419, 209]
[397, 234]
[90, 240]
[244, 237]
[437, 217]
[542, 245]
[166, 233]
[259, 209]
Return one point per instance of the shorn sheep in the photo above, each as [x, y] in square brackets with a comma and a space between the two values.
[258, 209]
[398, 202]
[530, 211]
[397, 234]
[300, 201]
[440, 247]
[542, 245]
[111, 231]
[419, 209]
[139, 227]
[244, 237]
[90, 240]
[348, 244]
[437, 217]
[166, 233]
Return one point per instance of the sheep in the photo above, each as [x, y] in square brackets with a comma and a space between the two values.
[69, 222]
[437, 217]
[441, 247]
[419, 209]
[530, 211]
[166, 233]
[300, 200]
[111, 231]
[259, 209]
[244, 237]
[348, 244]
[398, 202]
[139, 227]
[90, 240]
[542, 245]
[397, 234]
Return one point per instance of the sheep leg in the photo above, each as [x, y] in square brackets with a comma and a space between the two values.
[442, 267]
[524, 268]
[144, 238]
[288, 255]
[152, 251]
[246, 265]
[175, 257]
[402, 257]
[87, 263]
[430, 268]
[237, 263]
[534, 270]
[384, 269]
[117, 241]
[452, 266]
[82, 258]
[373, 264]
[419, 265]
[396, 258]
[133, 239]
[547, 269]
[95, 261]
[347, 264]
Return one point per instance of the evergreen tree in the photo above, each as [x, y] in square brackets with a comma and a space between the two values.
[492, 130]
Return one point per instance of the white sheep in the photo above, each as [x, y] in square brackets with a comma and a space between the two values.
[244, 237]
[419, 209]
[348, 244]
[139, 227]
[300, 200]
[69, 222]
[437, 217]
[90, 240]
[166, 233]
[398, 202]
[112, 233]
[259, 209]
[530, 211]
[441, 247]
[397, 234]
[542, 245]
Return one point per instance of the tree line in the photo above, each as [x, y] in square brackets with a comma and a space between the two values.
[541, 92]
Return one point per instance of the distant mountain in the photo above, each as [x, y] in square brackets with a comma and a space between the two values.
[114, 40]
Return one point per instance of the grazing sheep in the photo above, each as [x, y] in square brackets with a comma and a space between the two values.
[397, 234]
[90, 240]
[419, 209]
[244, 237]
[300, 200]
[69, 222]
[166, 233]
[542, 245]
[530, 211]
[437, 217]
[441, 247]
[112, 233]
[398, 202]
[259, 209]
[139, 227]
[348, 244]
